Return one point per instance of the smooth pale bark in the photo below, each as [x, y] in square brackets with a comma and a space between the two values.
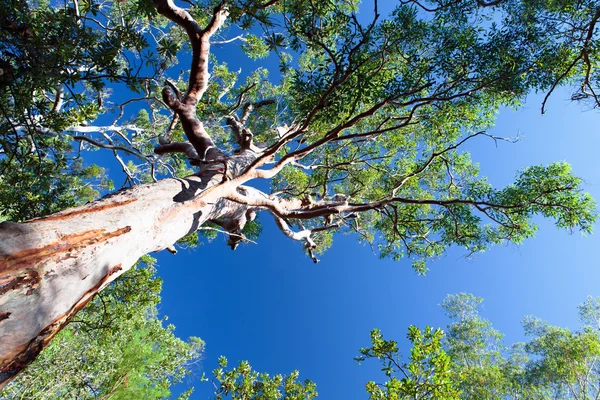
[52, 267]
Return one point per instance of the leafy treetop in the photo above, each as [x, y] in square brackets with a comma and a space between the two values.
[360, 130]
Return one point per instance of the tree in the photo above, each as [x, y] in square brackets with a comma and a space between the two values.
[555, 363]
[361, 134]
[484, 367]
[117, 347]
[470, 360]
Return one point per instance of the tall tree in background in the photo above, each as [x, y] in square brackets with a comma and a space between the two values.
[361, 133]
[554, 363]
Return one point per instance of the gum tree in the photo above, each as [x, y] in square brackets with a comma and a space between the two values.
[360, 131]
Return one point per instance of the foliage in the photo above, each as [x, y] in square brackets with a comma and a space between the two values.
[471, 361]
[477, 351]
[360, 130]
[427, 374]
[554, 363]
[116, 348]
[242, 382]
[35, 186]
[58, 65]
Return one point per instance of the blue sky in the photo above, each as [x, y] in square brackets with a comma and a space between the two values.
[269, 304]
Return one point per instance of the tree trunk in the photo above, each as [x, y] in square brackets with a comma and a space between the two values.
[52, 267]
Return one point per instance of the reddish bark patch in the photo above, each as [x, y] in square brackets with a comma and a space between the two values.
[30, 279]
[114, 270]
[86, 210]
[69, 243]
[4, 315]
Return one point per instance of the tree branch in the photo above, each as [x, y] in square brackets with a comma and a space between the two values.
[230, 234]
[243, 136]
[198, 82]
[303, 235]
[249, 107]
[179, 147]
[584, 51]
[111, 147]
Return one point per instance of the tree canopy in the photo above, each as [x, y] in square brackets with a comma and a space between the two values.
[469, 360]
[359, 130]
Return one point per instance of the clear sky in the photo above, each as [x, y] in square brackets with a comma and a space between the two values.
[269, 304]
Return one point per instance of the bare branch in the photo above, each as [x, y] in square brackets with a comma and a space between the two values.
[238, 37]
[122, 107]
[231, 234]
[111, 147]
[58, 102]
[171, 126]
[199, 72]
[179, 147]
[175, 88]
[303, 235]
[582, 55]
[249, 107]
[171, 100]
[243, 136]
[198, 82]
[101, 129]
